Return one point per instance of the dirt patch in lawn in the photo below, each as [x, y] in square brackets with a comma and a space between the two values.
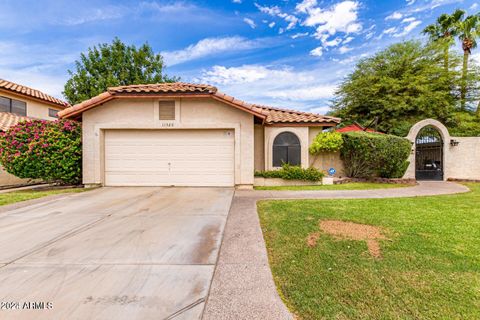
[354, 231]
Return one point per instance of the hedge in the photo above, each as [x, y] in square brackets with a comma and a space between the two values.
[367, 155]
[289, 172]
[47, 150]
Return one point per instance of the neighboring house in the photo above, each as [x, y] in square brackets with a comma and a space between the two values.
[21, 103]
[180, 134]
[355, 127]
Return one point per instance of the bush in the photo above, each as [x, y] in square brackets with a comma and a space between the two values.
[47, 150]
[326, 142]
[289, 172]
[369, 154]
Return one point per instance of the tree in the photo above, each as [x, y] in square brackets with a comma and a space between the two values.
[400, 85]
[47, 150]
[110, 65]
[468, 32]
[444, 31]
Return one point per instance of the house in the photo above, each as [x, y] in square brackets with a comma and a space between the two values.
[355, 127]
[21, 103]
[181, 134]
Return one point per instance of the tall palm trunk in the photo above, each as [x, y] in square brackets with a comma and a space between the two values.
[463, 89]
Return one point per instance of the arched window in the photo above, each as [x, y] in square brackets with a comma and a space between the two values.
[286, 149]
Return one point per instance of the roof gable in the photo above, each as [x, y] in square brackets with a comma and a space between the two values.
[269, 115]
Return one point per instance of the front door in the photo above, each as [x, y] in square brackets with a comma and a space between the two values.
[429, 154]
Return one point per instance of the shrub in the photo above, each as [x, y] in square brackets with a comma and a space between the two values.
[47, 150]
[289, 172]
[369, 154]
[326, 142]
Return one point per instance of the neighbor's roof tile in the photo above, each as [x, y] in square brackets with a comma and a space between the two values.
[8, 119]
[29, 92]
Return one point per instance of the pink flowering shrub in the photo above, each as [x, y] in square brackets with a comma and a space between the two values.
[47, 150]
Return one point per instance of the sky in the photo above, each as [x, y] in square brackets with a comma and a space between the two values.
[285, 53]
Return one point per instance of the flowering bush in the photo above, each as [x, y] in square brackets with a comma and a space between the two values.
[47, 150]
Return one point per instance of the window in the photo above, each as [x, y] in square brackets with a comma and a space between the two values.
[13, 106]
[52, 113]
[166, 110]
[286, 149]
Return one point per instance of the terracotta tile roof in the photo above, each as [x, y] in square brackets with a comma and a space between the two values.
[270, 115]
[279, 115]
[8, 119]
[32, 93]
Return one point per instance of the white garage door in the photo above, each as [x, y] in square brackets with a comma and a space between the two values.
[169, 158]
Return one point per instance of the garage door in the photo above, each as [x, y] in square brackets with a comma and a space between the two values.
[169, 158]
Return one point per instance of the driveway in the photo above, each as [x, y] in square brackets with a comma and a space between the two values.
[113, 253]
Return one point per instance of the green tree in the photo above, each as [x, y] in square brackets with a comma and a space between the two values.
[110, 65]
[444, 31]
[468, 32]
[400, 85]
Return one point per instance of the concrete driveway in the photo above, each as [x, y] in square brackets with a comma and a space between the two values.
[113, 253]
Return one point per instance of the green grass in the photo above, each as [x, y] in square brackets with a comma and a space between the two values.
[17, 196]
[345, 186]
[430, 267]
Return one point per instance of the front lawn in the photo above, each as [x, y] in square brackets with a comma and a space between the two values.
[429, 266]
[17, 196]
[344, 186]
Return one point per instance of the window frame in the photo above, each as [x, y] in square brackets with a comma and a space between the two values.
[286, 150]
[11, 106]
[55, 111]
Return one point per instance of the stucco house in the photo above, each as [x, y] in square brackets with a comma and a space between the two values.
[21, 103]
[181, 134]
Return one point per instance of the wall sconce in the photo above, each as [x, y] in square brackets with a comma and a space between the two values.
[454, 142]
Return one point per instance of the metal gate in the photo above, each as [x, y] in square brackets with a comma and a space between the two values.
[429, 154]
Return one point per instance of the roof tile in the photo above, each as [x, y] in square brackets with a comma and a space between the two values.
[17, 88]
[272, 115]
[8, 119]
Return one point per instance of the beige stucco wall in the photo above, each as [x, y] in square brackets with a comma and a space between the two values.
[35, 109]
[460, 162]
[143, 114]
[259, 147]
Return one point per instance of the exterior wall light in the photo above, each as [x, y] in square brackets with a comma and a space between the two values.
[454, 142]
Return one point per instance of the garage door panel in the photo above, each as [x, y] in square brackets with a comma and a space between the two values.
[169, 157]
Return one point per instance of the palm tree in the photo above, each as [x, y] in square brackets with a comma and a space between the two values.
[444, 30]
[468, 32]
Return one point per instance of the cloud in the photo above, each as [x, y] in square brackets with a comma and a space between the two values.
[237, 1]
[407, 29]
[408, 20]
[347, 40]
[317, 52]
[340, 17]
[410, 2]
[344, 49]
[94, 15]
[279, 85]
[299, 35]
[271, 24]
[250, 22]
[394, 16]
[391, 30]
[208, 47]
[275, 11]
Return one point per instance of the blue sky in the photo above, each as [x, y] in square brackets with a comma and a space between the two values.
[290, 53]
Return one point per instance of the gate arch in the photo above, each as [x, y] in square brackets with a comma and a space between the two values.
[430, 140]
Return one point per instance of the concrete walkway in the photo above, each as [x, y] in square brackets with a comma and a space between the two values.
[242, 286]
